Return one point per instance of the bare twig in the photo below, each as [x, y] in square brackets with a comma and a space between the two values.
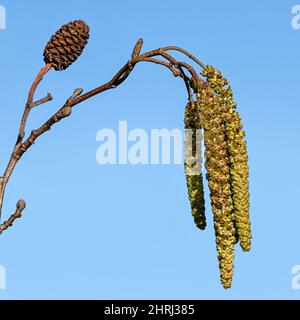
[189, 68]
[186, 82]
[192, 57]
[163, 63]
[29, 102]
[42, 101]
[37, 81]
[28, 107]
[18, 213]
[179, 65]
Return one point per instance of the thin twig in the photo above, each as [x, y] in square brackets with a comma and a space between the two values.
[18, 214]
[163, 63]
[29, 102]
[186, 82]
[192, 57]
[178, 65]
[42, 101]
[123, 74]
[189, 68]
[28, 107]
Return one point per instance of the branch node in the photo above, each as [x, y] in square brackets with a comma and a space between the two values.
[66, 111]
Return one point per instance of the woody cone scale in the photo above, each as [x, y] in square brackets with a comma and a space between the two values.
[66, 45]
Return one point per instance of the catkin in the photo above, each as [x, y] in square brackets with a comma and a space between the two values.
[193, 165]
[237, 148]
[137, 49]
[218, 176]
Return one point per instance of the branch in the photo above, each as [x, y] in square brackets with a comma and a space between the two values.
[42, 101]
[28, 107]
[189, 68]
[77, 97]
[187, 83]
[63, 112]
[163, 63]
[30, 102]
[18, 214]
[178, 65]
[192, 57]
[125, 71]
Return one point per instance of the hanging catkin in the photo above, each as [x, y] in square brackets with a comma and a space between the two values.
[218, 176]
[238, 157]
[193, 164]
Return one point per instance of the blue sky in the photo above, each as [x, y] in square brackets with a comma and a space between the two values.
[125, 232]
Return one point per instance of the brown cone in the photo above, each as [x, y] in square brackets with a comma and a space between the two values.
[66, 45]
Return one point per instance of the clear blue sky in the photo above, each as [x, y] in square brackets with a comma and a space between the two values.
[101, 232]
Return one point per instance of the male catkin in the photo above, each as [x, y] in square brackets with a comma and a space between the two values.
[237, 148]
[218, 176]
[193, 164]
[137, 49]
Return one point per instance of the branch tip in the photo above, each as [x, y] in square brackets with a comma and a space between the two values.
[137, 49]
[41, 101]
[21, 205]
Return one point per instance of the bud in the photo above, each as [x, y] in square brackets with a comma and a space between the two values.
[137, 49]
[21, 204]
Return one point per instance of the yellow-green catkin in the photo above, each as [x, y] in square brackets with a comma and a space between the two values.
[137, 49]
[238, 157]
[218, 176]
[193, 166]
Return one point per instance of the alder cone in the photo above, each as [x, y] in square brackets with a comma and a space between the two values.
[66, 45]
